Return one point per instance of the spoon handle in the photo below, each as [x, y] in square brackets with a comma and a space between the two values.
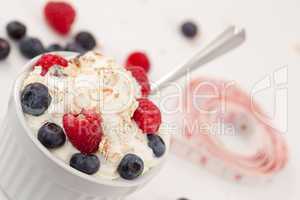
[231, 38]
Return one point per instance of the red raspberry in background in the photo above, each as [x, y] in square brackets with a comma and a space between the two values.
[84, 130]
[147, 116]
[60, 16]
[138, 59]
[141, 77]
[48, 60]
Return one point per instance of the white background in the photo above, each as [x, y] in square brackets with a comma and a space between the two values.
[273, 29]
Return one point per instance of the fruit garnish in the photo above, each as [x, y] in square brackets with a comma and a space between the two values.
[84, 130]
[49, 60]
[31, 47]
[156, 143]
[189, 29]
[16, 30]
[88, 164]
[131, 167]
[60, 16]
[4, 49]
[35, 99]
[138, 59]
[141, 77]
[51, 135]
[147, 116]
[54, 47]
[86, 40]
[74, 47]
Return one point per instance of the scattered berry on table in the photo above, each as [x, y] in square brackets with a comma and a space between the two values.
[189, 29]
[54, 47]
[4, 49]
[74, 47]
[31, 47]
[60, 15]
[86, 40]
[147, 116]
[35, 99]
[156, 143]
[138, 59]
[48, 60]
[131, 167]
[84, 130]
[51, 135]
[88, 164]
[141, 77]
[16, 30]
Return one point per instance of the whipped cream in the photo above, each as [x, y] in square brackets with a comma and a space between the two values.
[93, 81]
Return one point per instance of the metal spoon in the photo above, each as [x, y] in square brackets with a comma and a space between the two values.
[231, 38]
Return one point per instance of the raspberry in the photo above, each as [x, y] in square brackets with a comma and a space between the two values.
[48, 60]
[147, 116]
[141, 77]
[84, 130]
[60, 16]
[138, 59]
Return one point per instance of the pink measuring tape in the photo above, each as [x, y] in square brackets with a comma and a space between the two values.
[226, 132]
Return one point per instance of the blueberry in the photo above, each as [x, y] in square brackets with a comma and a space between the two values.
[183, 198]
[86, 40]
[51, 135]
[31, 47]
[35, 99]
[189, 29]
[156, 143]
[4, 49]
[88, 164]
[54, 47]
[16, 30]
[131, 167]
[74, 47]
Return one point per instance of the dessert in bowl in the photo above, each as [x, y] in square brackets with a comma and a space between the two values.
[79, 127]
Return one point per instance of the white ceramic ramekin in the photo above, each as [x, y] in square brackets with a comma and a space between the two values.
[28, 171]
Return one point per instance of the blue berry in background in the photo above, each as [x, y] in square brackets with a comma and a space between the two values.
[54, 47]
[74, 47]
[16, 30]
[189, 29]
[51, 135]
[35, 99]
[86, 40]
[131, 167]
[88, 164]
[31, 47]
[156, 143]
[4, 49]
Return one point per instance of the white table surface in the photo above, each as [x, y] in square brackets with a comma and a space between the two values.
[273, 30]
